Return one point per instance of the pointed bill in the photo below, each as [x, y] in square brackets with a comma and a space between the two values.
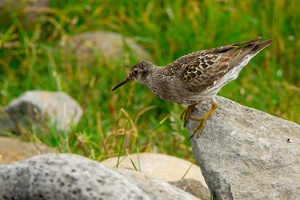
[126, 80]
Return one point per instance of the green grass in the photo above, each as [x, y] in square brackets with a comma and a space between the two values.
[31, 60]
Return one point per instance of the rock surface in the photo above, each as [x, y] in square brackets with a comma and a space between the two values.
[247, 154]
[85, 48]
[159, 166]
[36, 106]
[67, 176]
[193, 187]
[14, 4]
[29, 10]
[12, 150]
[165, 168]
[6, 124]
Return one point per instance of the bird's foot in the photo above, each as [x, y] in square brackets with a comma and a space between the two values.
[200, 126]
[186, 114]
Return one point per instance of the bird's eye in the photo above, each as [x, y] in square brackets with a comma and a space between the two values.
[135, 72]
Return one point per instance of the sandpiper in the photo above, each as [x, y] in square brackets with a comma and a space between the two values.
[196, 77]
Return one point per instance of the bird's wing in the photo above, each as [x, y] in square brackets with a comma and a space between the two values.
[199, 70]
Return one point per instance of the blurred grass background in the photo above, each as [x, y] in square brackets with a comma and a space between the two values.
[29, 60]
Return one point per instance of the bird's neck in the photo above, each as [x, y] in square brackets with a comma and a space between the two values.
[155, 79]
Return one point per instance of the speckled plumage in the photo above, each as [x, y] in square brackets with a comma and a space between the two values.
[196, 77]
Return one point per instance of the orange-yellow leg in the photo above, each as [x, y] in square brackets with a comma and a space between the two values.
[187, 113]
[200, 126]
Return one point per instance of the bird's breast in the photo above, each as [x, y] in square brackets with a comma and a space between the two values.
[173, 90]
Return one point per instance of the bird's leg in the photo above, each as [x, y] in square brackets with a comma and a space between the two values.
[186, 113]
[200, 125]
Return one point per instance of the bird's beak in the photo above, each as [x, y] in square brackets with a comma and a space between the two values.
[126, 80]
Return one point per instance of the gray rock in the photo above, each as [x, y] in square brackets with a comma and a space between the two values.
[67, 176]
[28, 10]
[33, 107]
[6, 124]
[84, 49]
[193, 187]
[248, 154]
[14, 4]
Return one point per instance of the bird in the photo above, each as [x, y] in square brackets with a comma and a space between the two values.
[196, 77]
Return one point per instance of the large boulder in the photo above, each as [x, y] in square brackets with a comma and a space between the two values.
[67, 176]
[247, 154]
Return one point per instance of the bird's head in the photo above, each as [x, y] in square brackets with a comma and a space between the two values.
[139, 73]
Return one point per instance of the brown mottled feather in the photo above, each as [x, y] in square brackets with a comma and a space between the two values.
[198, 70]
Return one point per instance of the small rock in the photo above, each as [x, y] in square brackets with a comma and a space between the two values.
[90, 46]
[36, 106]
[6, 124]
[67, 176]
[12, 150]
[193, 187]
[247, 154]
[29, 10]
